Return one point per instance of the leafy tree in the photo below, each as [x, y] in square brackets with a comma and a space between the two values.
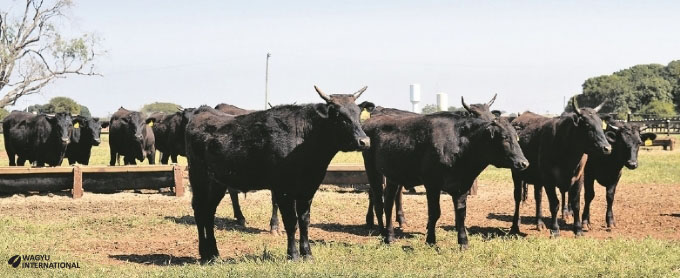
[41, 108]
[3, 113]
[165, 107]
[34, 52]
[84, 111]
[429, 109]
[64, 104]
[658, 109]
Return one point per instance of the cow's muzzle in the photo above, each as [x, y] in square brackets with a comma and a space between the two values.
[65, 140]
[521, 165]
[607, 149]
[364, 143]
[631, 164]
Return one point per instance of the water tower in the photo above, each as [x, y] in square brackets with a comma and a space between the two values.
[442, 101]
[415, 97]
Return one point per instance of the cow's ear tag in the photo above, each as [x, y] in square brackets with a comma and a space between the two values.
[76, 125]
[649, 142]
[365, 115]
[604, 125]
[151, 123]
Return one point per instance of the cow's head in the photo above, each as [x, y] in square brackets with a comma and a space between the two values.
[625, 140]
[187, 115]
[503, 148]
[480, 110]
[343, 114]
[590, 124]
[135, 124]
[62, 126]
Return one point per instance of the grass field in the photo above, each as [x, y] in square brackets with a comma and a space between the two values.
[149, 234]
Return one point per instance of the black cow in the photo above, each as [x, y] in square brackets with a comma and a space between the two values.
[168, 132]
[131, 137]
[555, 148]
[83, 138]
[625, 139]
[478, 110]
[37, 138]
[445, 151]
[286, 149]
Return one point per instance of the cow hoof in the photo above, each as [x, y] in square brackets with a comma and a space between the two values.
[308, 258]
[514, 230]
[540, 226]
[389, 239]
[274, 232]
[578, 233]
[464, 247]
[241, 222]
[554, 233]
[586, 223]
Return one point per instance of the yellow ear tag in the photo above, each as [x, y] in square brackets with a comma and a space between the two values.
[365, 115]
[649, 142]
[151, 123]
[76, 125]
[604, 125]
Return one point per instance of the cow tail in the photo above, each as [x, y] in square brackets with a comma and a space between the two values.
[525, 191]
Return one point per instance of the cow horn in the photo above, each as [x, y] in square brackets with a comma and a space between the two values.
[180, 108]
[613, 127]
[574, 105]
[462, 100]
[359, 92]
[492, 100]
[597, 109]
[322, 95]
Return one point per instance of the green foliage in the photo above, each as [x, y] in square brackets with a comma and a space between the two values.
[3, 113]
[631, 89]
[166, 107]
[429, 109]
[64, 104]
[84, 111]
[658, 109]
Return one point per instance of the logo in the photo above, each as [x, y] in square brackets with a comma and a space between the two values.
[14, 261]
[39, 261]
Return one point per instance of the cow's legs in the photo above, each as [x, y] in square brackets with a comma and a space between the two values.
[151, 157]
[274, 222]
[112, 162]
[12, 162]
[589, 186]
[433, 212]
[164, 158]
[204, 202]
[21, 161]
[174, 158]
[400, 207]
[554, 204]
[369, 214]
[566, 206]
[238, 214]
[460, 208]
[538, 196]
[302, 207]
[517, 193]
[288, 214]
[611, 191]
[575, 204]
[376, 181]
[390, 195]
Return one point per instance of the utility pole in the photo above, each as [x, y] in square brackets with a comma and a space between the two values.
[266, 83]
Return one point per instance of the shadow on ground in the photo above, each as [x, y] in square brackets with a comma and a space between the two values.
[360, 230]
[155, 259]
[221, 223]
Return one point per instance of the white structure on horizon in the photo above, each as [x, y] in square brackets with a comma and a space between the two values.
[442, 101]
[415, 98]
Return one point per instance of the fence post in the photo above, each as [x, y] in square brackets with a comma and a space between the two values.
[668, 127]
[77, 191]
[628, 118]
[178, 174]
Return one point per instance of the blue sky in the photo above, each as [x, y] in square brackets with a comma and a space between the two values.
[532, 53]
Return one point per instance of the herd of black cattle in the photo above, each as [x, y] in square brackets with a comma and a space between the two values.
[288, 148]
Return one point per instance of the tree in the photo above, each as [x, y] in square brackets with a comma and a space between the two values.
[3, 113]
[658, 109]
[64, 104]
[33, 52]
[165, 107]
[84, 111]
[429, 109]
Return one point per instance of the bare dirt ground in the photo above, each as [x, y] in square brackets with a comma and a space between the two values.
[154, 228]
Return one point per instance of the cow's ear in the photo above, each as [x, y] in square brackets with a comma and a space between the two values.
[150, 121]
[611, 137]
[77, 122]
[322, 109]
[496, 112]
[105, 124]
[369, 106]
[647, 136]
